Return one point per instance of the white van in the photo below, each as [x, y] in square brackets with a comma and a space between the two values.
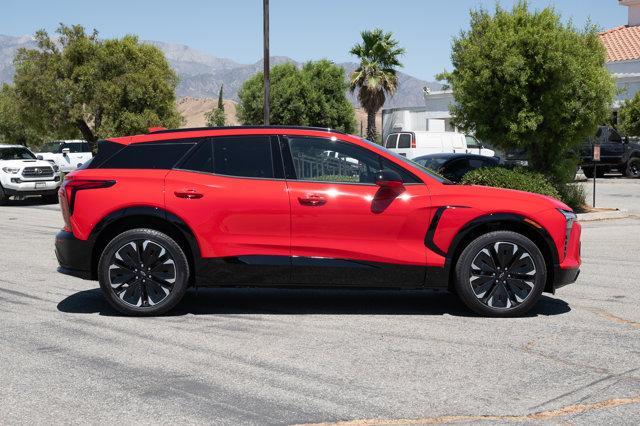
[416, 144]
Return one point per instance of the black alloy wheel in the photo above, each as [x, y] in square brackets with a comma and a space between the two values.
[633, 168]
[501, 273]
[143, 272]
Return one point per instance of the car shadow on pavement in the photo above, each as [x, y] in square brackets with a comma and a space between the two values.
[218, 301]
[29, 201]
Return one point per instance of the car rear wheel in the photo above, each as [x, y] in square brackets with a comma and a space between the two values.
[3, 197]
[501, 273]
[633, 168]
[143, 272]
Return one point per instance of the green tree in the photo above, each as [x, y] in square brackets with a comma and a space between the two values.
[217, 117]
[12, 129]
[629, 116]
[524, 79]
[80, 84]
[376, 75]
[313, 96]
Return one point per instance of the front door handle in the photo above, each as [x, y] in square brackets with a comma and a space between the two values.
[312, 200]
[190, 194]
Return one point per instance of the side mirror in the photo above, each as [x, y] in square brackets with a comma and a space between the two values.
[39, 157]
[388, 179]
[65, 151]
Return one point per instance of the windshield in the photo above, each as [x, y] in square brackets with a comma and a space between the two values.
[16, 154]
[53, 147]
[411, 164]
[431, 163]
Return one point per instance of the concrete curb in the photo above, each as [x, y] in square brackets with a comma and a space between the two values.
[603, 215]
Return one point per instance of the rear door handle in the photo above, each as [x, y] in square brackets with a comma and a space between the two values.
[190, 194]
[312, 200]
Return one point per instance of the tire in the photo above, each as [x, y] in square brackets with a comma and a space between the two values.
[128, 287]
[588, 172]
[478, 275]
[50, 199]
[3, 197]
[633, 168]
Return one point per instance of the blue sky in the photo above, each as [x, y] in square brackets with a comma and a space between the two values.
[300, 29]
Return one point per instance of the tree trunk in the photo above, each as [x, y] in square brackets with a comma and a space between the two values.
[371, 126]
[87, 134]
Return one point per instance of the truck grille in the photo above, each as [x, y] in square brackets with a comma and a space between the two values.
[37, 172]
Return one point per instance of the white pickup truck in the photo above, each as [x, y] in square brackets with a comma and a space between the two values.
[68, 155]
[22, 174]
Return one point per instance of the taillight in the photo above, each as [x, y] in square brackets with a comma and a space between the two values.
[69, 190]
[413, 142]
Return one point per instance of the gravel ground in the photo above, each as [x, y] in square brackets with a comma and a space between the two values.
[260, 356]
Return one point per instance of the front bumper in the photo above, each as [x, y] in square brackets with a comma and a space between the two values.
[31, 187]
[74, 255]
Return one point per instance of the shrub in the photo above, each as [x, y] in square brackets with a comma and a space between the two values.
[517, 178]
[573, 195]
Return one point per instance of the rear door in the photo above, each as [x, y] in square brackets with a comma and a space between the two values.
[345, 230]
[612, 148]
[232, 193]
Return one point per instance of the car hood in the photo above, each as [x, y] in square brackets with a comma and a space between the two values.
[24, 163]
[493, 199]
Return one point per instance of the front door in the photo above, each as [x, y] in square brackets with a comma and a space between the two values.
[233, 196]
[345, 230]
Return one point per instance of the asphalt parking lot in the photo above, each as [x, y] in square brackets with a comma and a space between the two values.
[258, 356]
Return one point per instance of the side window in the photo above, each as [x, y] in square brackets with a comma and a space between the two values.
[324, 160]
[615, 137]
[475, 163]
[392, 141]
[85, 147]
[243, 156]
[404, 140]
[455, 170]
[201, 159]
[472, 142]
[74, 147]
[147, 156]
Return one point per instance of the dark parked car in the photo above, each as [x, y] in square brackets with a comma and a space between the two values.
[616, 153]
[453, 166]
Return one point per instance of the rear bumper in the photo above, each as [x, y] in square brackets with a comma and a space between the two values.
[74, 255]
[562, 277]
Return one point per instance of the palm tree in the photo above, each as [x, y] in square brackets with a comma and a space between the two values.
[376, 76]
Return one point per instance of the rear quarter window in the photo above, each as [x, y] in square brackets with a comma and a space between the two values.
[148, 156]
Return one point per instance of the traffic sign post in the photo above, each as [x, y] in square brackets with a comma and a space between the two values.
[596, 158]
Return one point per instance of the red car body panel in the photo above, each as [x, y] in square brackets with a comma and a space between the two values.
[235, 216]
[416, 225]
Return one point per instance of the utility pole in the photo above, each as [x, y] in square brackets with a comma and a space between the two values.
[265, 37]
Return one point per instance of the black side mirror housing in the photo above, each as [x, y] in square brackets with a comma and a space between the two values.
[388, 178]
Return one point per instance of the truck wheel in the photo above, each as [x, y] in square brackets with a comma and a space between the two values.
[633, 168]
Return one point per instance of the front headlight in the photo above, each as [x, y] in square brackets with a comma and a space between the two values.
[569, 218]
[11, 170]
[55, 168]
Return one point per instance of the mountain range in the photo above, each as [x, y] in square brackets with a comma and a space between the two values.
[201, 74]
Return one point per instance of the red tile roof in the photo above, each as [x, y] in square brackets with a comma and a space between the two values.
[622, 43]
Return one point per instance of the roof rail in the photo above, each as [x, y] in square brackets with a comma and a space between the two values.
[193, 129]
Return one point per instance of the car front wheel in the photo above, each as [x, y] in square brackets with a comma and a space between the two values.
[501, 273]
[143, 272]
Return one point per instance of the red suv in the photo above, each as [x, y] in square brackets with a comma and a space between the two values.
[154, 214]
